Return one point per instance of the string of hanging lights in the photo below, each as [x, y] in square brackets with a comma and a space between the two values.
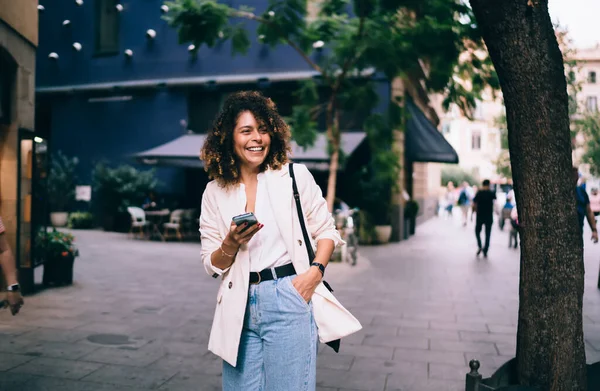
[151, 34]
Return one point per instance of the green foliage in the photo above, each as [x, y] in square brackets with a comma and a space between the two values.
[457, 175]
[377, 181]
[589, 126]
[56, 244]
[390, 37]
[81, 220]
[61, 182]
[117, 188]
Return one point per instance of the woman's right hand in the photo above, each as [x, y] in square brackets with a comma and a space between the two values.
[239, 235]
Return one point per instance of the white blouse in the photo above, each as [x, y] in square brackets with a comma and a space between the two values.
[267, 248]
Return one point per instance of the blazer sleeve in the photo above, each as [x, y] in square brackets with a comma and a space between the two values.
[209, 233]
[320, 222]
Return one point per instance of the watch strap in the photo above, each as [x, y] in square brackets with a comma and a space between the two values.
[13, 288]
[320, 266]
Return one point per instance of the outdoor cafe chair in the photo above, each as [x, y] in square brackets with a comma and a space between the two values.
[174, 224]
[138, 220]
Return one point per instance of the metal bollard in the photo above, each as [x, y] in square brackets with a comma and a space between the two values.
[473, 379]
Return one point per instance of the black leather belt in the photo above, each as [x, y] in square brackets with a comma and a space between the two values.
[267, 274]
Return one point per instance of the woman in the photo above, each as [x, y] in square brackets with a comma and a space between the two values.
[271, 305]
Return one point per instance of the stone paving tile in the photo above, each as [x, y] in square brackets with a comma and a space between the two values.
[475, 326]
[338, 361]
[65, 350]
[463, 346]
[358, 380]
[40, 383]
[412, 342]
[384, 352]
[207, 364]
[56, 367]
[399, 383]
[398, 322]
[446, 372]
[448, 335]
[9, 361]
[417, 369]
[56, 335]
[122, 356]
[13, 381]
[130, 376]
[197, 383]
[501, 328]
[418, 355]
[476, 336]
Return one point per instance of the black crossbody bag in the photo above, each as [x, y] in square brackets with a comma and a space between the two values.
[335, 345]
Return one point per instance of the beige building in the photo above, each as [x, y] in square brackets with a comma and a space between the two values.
[588, 72]
[476, 141]
[18, 42]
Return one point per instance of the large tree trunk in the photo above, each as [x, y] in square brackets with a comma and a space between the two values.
[521, 42]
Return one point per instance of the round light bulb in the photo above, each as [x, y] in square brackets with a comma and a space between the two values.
[119, 7]
[77, 46]
[53, 56]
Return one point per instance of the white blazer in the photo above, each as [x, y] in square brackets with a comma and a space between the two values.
[219, 206]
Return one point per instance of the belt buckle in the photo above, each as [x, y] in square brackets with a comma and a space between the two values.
[257, 282]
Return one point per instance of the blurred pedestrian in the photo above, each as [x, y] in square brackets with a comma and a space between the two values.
[584, 209]
[13, 298]
[483, 205]
[595, 201]
[450, 198]
[464, 201]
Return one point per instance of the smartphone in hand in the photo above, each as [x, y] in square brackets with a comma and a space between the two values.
[245, 218]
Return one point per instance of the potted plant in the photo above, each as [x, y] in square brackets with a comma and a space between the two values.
[378, 181]
[61, 187]
[117, 188]
[59, 252]
[411, 211]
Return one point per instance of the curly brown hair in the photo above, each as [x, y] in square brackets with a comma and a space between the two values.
[220, 161]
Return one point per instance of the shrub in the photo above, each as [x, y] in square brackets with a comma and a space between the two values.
[81, 220]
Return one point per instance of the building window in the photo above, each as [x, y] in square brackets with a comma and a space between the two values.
[107, 27]
[478, 113]
[476, 140]
[202, 110]
[591, 104]
[592, 77]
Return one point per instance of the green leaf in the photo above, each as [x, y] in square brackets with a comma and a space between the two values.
[239, 40]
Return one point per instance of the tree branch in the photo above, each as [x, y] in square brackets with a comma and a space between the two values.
[252, 16]
[351, 60]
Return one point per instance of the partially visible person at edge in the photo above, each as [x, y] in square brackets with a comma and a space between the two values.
[464, 201]
[13, 298]
[271, 305]
[595, 201]
[450, 198]
[584, 209]
[483, 205]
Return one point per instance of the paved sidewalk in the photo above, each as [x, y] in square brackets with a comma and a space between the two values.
[139, 315]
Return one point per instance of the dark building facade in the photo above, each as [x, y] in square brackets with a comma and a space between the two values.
[113, 82]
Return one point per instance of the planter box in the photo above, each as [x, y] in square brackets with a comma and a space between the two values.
[58, 271]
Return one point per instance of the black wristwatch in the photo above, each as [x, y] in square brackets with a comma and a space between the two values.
[320, 266]
[13, 288]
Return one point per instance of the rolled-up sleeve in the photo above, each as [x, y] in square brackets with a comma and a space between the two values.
[320, 222]
[209, 233]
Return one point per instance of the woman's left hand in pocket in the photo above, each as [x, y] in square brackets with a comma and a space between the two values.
[307, 282]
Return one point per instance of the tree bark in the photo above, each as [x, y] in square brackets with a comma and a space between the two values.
[523, 47]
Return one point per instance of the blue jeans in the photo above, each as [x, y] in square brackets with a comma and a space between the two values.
[278, 347]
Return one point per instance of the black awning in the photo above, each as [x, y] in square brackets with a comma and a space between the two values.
[423, 142]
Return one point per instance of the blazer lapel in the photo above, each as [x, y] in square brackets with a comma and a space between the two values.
[230, 205]
[279, 185]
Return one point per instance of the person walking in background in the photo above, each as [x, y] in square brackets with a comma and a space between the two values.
[584, 209]
[450, 198]
[13, 298]
[595, 201]
[464, 201]
[483, 205]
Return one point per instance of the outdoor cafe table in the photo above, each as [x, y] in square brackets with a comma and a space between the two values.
[156, 218]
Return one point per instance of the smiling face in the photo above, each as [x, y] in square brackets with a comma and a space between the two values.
[251, 141]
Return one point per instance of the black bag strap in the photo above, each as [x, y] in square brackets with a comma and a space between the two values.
[309, 247]
[335, 345]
